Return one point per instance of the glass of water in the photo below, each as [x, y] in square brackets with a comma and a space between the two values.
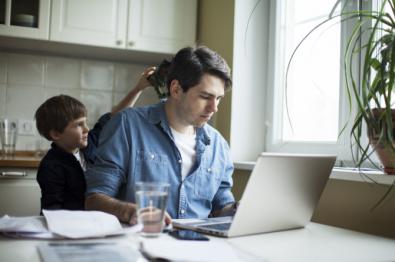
[151, 201]
[8, 133]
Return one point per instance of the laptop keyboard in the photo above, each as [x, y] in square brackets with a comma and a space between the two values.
[221, 226]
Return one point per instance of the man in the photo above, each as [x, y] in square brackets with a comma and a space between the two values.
[169, 142]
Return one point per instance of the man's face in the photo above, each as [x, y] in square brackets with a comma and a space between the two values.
[200, 102]
[74, 136]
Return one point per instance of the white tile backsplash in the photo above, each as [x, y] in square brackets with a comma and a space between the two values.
[97, 104]
[26, 69]
[50, 92]
[3, 67]
[22, 102]
[27, 142]
[97, 75]
[126, 76]
[62, 72]
[26, 81]
[148, 97]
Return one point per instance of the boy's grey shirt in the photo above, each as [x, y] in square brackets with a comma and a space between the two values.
[137, 145]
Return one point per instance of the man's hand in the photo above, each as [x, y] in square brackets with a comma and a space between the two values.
[228, 210]
[133, 218]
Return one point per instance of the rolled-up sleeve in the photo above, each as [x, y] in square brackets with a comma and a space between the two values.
[224, 194]
[108, 173]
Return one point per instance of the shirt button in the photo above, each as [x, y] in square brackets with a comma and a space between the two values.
[182, 211]
[180, 161]
[152, 156]
[208, 169]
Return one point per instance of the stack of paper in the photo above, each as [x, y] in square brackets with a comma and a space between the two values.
[182, 250]
[65, 224]
[26, 227]
[89, 251]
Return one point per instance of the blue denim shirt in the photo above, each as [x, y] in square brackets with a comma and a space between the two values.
[137, 145]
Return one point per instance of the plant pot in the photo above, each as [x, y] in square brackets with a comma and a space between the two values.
[384, 151]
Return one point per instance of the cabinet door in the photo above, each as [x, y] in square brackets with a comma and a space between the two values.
[161, 26]
[19, 195]
[27, 19]
[90, 22]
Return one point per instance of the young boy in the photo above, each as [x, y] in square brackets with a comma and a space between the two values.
[62, 119]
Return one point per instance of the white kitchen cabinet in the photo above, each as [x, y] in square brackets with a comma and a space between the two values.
[161, 26]
[27, 19]
[89, 22]
[19, 192]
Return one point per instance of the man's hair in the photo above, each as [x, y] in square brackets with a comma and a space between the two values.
[191, 63]
[56, 113]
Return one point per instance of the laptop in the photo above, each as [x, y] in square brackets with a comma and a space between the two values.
[281, 194]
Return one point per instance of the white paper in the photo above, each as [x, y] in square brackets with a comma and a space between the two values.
[186, 250]
[26, 227]
[85, 224]
[88, 251]
[33, 224]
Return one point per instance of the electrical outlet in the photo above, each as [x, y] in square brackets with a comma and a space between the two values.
[26, 127]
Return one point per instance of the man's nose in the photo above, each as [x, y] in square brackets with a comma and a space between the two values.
[214, 105]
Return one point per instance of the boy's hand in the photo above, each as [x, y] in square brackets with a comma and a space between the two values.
[143, 81]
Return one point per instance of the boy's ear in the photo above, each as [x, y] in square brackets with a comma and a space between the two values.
[175, 89]
[55, 135]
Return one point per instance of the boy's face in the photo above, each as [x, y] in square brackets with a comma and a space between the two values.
[73, 137]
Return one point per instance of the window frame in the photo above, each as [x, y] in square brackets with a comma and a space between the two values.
[275, 96]
[253, 94]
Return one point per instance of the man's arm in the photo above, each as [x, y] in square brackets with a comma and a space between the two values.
[124, 211]
[130, 99]
[224, 203]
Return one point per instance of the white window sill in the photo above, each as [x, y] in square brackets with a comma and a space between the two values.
[350, 174]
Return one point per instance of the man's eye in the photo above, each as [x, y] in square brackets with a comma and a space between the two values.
[205, 97]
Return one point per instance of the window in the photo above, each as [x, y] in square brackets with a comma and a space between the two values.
[308, 115]
[266, 33]
[312, 92]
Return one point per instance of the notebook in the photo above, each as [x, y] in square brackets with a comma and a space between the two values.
[281, 194]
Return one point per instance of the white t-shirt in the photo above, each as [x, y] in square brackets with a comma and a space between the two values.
[186, 145]
[80, 158]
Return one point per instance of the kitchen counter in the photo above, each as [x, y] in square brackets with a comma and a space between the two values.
[22, 159]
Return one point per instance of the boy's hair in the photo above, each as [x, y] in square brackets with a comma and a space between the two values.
[56, 113]
[190, 63]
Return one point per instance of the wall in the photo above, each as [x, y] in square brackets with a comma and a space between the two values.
[28, 80]
[215, 30]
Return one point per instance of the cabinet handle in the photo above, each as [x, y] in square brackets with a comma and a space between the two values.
[13, 174]
[131, 43]
[119, 42]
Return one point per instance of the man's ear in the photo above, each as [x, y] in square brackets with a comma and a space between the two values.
[175, 89]
[55, 135]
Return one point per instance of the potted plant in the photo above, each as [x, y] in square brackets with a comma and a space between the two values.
[371, 91]
[371, 96]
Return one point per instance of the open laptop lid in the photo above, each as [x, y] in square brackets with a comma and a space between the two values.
[282, 192]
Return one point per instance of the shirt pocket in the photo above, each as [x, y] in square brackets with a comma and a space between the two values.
[151, 166]
[207, 181]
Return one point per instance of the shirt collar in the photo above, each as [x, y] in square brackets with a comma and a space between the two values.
[157, 115]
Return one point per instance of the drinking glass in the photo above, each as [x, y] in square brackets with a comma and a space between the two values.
[8, 134]
[151, 200]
